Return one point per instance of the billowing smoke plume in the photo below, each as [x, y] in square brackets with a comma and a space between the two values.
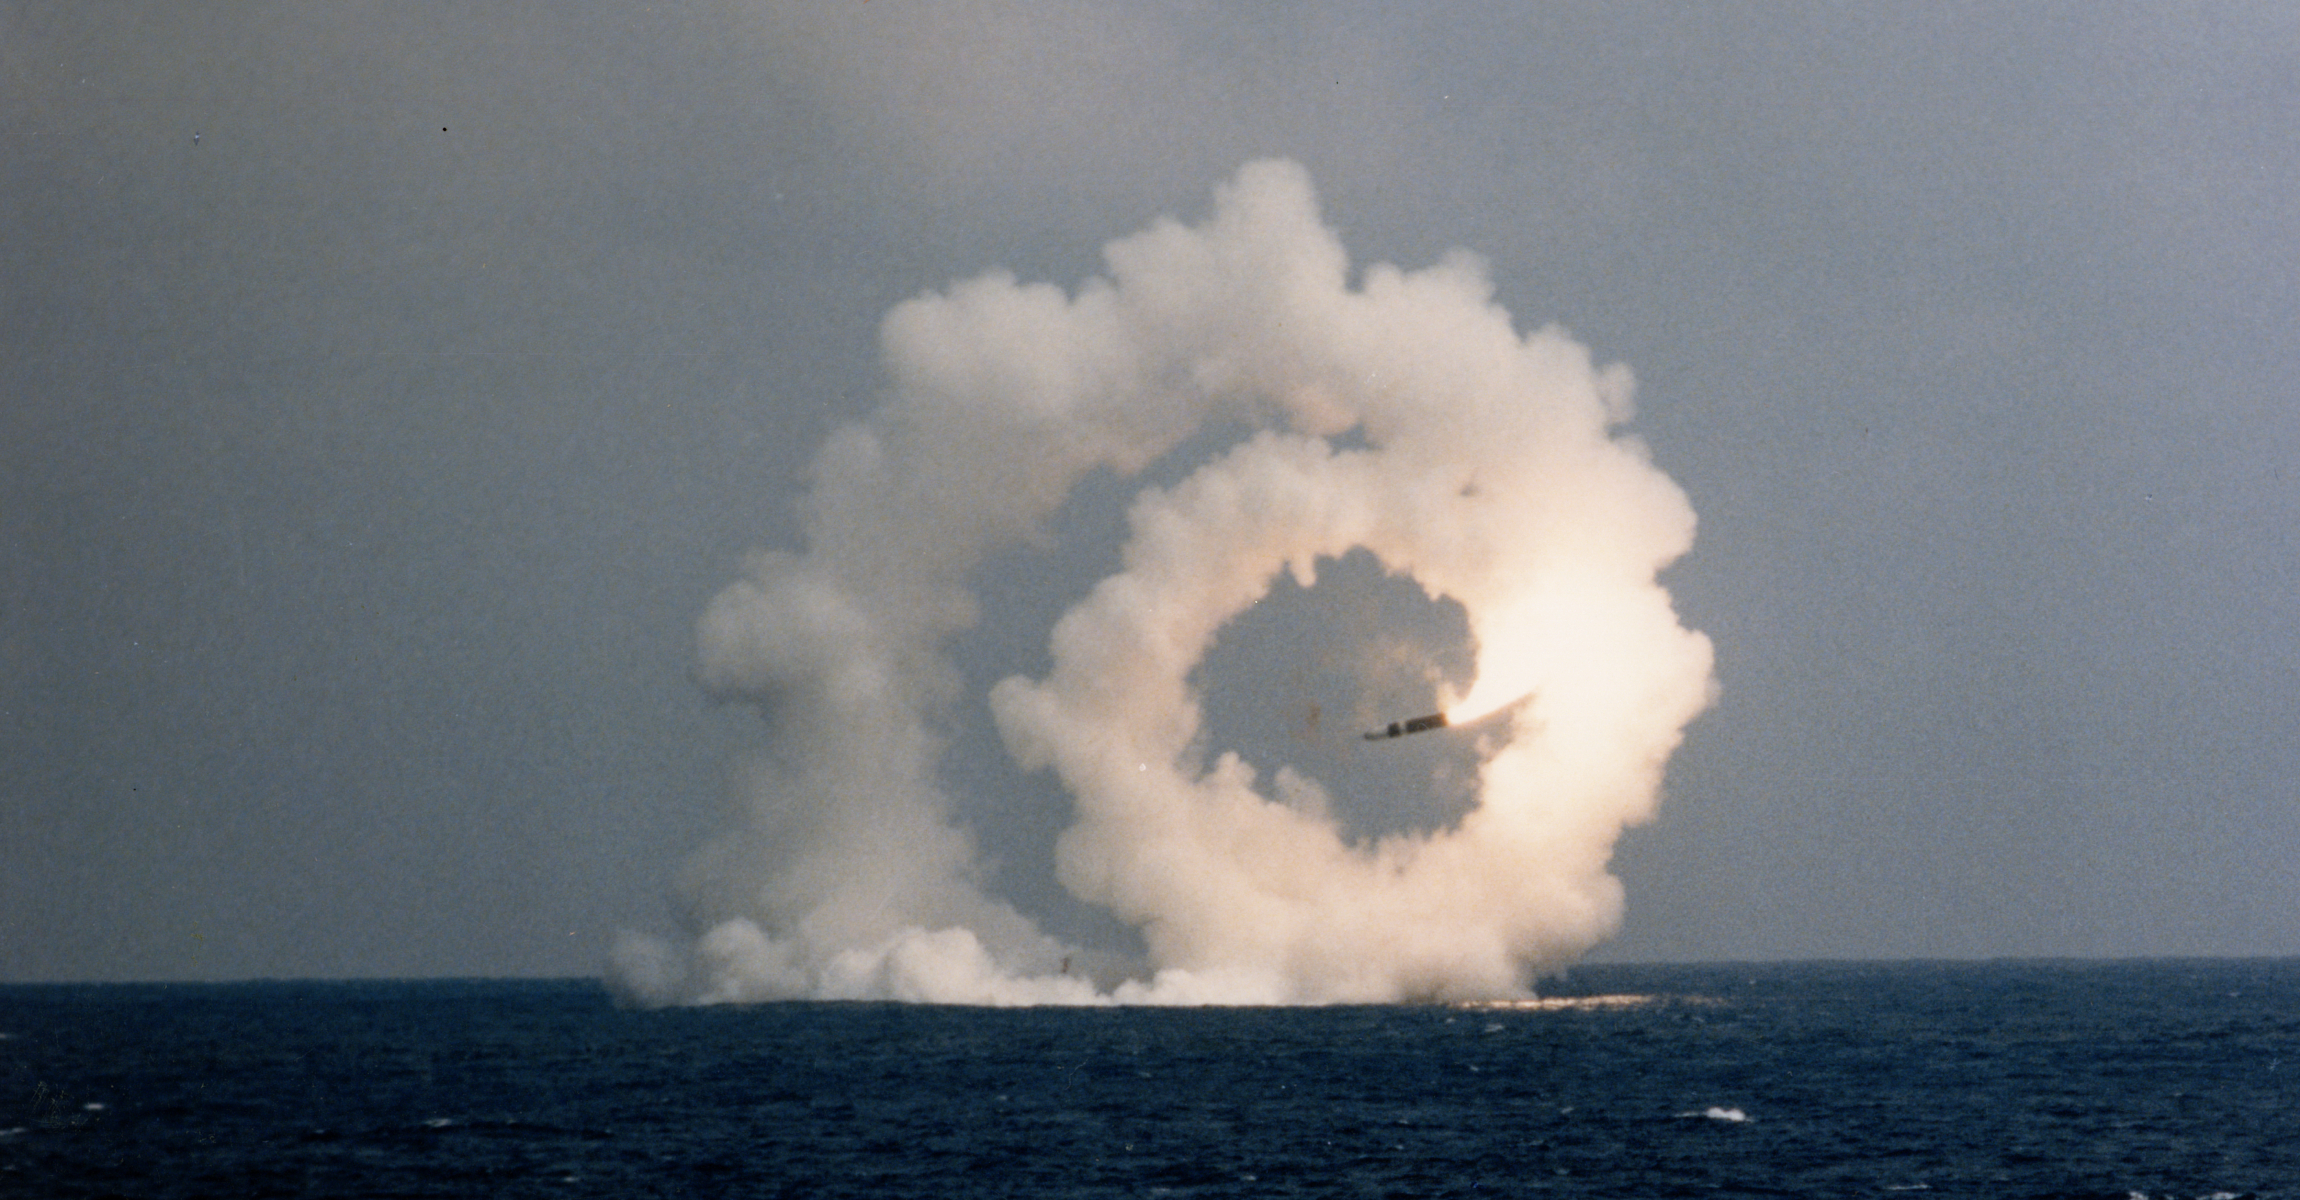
[1404, 417]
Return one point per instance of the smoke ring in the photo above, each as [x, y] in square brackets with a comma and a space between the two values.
[1403, 414]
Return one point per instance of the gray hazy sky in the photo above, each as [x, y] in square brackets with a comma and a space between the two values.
[385, 388]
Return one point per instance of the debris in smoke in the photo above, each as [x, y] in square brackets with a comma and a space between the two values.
[1404, 417]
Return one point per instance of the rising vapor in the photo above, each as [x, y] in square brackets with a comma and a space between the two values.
[1404, 417]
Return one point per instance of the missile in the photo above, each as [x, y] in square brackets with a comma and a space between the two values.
[1438, 720]
[1398, 729]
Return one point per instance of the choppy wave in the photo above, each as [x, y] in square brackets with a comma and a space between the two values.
[2147, 1080]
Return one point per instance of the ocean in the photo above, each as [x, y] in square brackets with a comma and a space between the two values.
[2160, 1079]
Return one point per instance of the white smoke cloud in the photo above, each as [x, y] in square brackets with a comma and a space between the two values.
[1405, 417]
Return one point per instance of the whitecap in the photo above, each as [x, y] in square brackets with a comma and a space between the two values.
[1578, 1003]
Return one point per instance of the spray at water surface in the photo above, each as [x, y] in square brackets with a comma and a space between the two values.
[1402, 417]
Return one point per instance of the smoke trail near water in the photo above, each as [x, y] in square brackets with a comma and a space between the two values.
[1404, 417]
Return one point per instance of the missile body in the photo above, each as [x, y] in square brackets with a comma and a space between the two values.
[1398, 729]
[1401, 728]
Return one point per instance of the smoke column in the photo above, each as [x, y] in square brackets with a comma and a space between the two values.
[1403, 416]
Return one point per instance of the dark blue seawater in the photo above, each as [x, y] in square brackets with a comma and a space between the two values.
[2162, 1079]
